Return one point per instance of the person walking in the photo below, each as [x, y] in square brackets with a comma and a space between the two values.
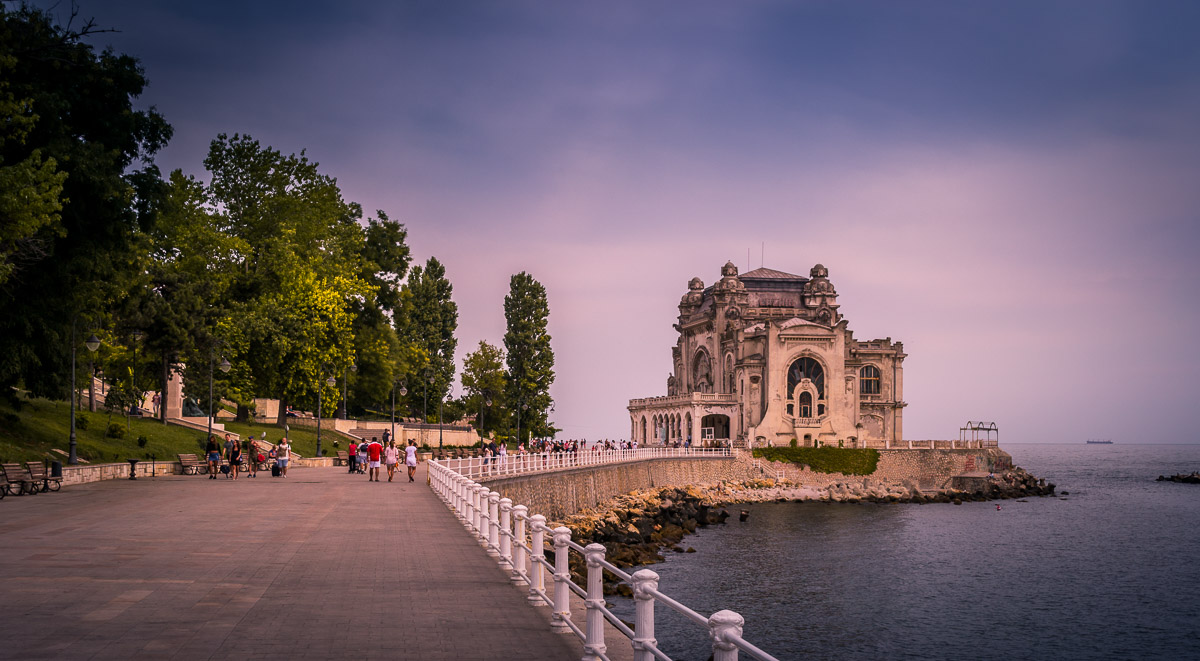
[362, 457]
[410, 460]
[251, 458]
[391, 456]
[374, 450]
[235, 459]
[283, 454]
[352, 456]
[213, 452]
[227, 451]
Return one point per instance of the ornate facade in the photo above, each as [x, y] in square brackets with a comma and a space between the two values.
[766, 357]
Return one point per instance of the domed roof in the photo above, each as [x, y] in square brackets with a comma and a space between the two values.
[695, 284]
[729, 269]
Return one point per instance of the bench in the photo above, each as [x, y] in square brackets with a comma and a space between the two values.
[19, 480]
[342, 458]
[38, 471]
[193, 465]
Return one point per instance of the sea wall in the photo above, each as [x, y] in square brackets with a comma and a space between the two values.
[562, 493]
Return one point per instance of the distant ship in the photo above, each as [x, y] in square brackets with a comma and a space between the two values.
[1099, 441]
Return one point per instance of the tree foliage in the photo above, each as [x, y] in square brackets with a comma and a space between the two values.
[483, 384]
[530, 357]
[74, 107]
[429, 321]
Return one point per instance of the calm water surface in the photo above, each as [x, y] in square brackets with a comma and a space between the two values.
[1107, 572]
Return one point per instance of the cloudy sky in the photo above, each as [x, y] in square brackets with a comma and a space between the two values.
[1011, 189]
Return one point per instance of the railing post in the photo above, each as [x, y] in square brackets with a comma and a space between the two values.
[720, 626]
[593, 644]
[493, 534]
[506, 533]
[537, 545]
[520, 513]
[562, 575]
[477, 510]
[644, 581]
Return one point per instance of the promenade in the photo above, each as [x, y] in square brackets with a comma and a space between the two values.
[318, 565]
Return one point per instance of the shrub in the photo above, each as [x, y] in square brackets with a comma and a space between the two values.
[794, 442]
[11, 419]
[142, 441]
[82, 421]
[848, 461]
[115, 430]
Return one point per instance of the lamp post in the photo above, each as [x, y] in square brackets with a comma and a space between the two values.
[332, 383]
[137, 336]
[224, 367]
[92, 343]
[482, 402]
[425, 403]
[523, 407]
[403, 385]
[345, 383]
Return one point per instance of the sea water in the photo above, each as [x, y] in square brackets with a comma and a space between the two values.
[1108, 569]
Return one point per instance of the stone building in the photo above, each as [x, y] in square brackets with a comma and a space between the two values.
[767, 357]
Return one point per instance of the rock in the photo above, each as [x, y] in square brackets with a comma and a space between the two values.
[690, 550]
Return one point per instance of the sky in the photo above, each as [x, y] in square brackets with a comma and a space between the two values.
[1011, 189]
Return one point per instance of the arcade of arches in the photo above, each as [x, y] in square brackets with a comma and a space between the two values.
[766, 357]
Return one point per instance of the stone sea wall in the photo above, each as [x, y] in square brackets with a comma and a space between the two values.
[560, 494]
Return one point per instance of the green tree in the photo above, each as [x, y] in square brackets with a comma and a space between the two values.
[530, 357]
[73, 106]
[430, 320]
[483, 385]
[296, 279]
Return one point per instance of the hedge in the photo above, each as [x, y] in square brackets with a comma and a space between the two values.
[848, 461]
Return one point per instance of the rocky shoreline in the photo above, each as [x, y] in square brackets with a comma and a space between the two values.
[637, 528]
[1185, 478]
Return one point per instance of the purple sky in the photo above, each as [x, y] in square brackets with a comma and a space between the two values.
[1011, 189]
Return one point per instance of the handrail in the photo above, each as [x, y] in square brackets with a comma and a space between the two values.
[518, 540]
[477, 468]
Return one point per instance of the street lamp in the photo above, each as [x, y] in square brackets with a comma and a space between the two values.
[482, 402]
[92, 343]
[403, 385]
[332, 383]
[224, 367]
[524, 407]
[137, 336]
[345, 383]
[425, 403]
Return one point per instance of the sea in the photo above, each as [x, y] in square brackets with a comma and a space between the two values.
[1107, 569]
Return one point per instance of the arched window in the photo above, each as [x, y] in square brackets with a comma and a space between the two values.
[729, 379]
[868, 380]
[805, 405]
[806, 368]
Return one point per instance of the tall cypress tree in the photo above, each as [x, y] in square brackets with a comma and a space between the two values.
[430, 323]
[530, 357]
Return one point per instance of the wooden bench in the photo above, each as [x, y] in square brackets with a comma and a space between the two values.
[342, 459]
[38, 470]
[193, 465]
[19, 480]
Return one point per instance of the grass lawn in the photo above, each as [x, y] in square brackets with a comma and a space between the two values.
[30, 432]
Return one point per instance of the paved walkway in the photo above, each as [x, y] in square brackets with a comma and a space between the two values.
[318, 565]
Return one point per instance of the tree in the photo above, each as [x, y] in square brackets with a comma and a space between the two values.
[530, 357]
[483, 384]
[430, 320]
[74, 107]
[296, 278]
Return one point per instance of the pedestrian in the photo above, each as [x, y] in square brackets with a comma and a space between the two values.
[155, 400]
[374, 450]
[230, 444]
[362, 457]
[251, 457]
[391, 456]
[235, 459]
[283, 453]
[410, 459]
[213, 450]
[352, 457]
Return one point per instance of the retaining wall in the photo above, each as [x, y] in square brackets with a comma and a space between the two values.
[930, 469]
[563, 493]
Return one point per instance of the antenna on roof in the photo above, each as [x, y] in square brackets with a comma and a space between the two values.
[762, 256]
[747, 258]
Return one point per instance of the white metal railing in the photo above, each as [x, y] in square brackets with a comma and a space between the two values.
[517, 464]
[517, 539]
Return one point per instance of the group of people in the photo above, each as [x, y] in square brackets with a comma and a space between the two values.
[366, 457]
[236, 454]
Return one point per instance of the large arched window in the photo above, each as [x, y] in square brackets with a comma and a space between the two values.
[806, 368]
[868, 380]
